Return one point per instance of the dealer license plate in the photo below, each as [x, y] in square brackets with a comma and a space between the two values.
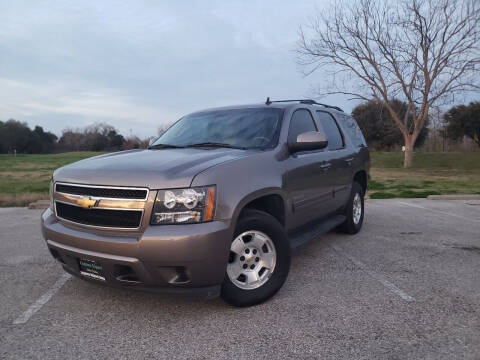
[91, 269]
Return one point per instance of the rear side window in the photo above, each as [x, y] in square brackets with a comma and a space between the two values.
[329, 125]
[350, 126]
[301, 122]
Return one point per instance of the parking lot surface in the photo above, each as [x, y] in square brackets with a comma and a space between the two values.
[406, 287]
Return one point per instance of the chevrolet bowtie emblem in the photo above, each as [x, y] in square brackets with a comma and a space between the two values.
[86, 202]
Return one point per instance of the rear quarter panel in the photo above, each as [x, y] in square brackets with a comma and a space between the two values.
[355, 142]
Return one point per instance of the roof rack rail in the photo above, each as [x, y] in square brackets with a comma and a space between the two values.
[303, 101]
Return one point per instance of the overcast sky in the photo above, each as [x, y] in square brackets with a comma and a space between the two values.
[138, 64]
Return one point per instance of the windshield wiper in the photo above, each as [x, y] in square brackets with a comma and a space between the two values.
[165, 146]
[215, 144]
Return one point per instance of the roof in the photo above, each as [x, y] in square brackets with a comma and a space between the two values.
[280, 104]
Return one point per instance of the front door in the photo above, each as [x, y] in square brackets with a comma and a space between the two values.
[307, 175]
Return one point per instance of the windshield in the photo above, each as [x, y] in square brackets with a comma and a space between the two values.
[242, 128]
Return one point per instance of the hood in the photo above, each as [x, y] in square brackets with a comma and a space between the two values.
[155, 169]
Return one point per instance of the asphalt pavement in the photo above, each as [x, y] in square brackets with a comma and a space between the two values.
[406, 287]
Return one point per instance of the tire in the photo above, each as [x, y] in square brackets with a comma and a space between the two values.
[353, 224]
[255, 228]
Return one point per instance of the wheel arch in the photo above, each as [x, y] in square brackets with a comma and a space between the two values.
[271, 201]
[362, 178]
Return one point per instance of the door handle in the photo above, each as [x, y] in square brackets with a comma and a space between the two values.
[349, 161]
[325, 166]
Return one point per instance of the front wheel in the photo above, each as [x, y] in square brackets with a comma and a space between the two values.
[355, 210]
[259, 260]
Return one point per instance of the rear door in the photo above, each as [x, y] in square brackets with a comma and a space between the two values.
[307, 175]
[340, 159]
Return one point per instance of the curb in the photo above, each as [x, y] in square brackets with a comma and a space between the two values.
[454, 197]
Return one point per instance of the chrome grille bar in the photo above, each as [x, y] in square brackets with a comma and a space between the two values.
[78, 195]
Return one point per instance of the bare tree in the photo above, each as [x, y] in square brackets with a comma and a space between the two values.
[418, 51]
[162, 128]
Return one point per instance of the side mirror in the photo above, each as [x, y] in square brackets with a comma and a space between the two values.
[311, 140]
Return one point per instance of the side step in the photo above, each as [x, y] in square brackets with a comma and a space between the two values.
[316, 229]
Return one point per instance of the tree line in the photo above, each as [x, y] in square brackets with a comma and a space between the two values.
[17, 137]
[381, 132]
[373, 117]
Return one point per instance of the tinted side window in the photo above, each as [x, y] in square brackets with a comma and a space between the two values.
[329, 125]
[350, 125]
[301, 122]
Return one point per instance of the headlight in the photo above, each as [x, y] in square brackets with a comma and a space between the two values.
[184, 206]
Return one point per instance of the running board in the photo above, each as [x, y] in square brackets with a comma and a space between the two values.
[315, 230]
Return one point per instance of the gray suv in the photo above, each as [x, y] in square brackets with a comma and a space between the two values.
[214, 205]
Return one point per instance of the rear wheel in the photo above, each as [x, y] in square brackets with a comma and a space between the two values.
[355, 207]
[259, 260]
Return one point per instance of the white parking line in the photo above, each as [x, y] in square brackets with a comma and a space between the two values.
[390, 286]
[437, 211]
[37, 305]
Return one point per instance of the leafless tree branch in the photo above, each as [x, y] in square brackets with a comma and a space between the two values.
[417, 51]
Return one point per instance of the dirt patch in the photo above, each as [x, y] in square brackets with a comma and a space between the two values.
[20, 200]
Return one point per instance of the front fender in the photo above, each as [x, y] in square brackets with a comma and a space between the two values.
[241, 181]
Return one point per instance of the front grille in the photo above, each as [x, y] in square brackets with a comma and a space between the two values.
[99, 217]
[102, 206]
[104, 192]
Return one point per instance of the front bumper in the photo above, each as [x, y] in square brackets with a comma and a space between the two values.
[174, 259]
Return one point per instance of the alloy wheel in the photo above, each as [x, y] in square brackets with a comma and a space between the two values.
[252, 260]
[357, 208]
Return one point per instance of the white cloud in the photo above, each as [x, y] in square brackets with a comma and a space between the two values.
[138, 64]
[38, 101]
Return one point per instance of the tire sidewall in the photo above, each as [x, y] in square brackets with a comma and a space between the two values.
[260, 221]
[353, 228]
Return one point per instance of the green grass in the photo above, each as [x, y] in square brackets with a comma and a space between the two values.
[463, 161]
[431, 174]
[24, 178]
[41, 161]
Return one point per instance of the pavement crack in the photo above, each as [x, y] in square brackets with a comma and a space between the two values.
[377, 276]
[475, 249]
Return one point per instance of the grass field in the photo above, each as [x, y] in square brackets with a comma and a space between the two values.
[25, 178]
[431, 174]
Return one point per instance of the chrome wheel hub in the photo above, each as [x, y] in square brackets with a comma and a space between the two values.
[357, 208]
[252, 260]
